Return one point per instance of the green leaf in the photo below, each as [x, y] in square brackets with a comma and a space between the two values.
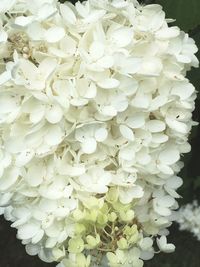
[186, 12]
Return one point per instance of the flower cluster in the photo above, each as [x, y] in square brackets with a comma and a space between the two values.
[189, 218]
[95, 113]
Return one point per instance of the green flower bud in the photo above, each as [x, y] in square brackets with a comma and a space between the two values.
[78, 215]
[133, 238]
[118, 206]
[76, 245]
[94, 202]
[105, 209]
[117, 258]
[127, 216]
[92, 241]
[112, 217]
[131, 233]
[122, 243]
[130, 230]
[79, 229]
[82, 261]
[112, 195]
[92, 215]
[102, 219]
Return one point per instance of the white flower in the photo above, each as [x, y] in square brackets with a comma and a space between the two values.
[95, 181]
[95, 113]
[189, 218]
[164, 246]
[89, 135]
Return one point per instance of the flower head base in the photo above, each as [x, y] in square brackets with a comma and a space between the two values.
[95, 112]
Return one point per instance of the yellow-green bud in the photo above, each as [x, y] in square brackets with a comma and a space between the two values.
[102, 219]
[112, 217]
[112, 195]
[122, 243]
[92, 241]
[79, 229]
[76, 245]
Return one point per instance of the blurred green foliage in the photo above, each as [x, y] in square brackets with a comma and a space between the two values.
[186, 12]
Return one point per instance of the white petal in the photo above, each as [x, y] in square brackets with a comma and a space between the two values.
[122, 36]
[174, 182]
[28, 231]
[128, 85]
[166, 201]
[38, 236]
[7, 104]
[163, 246]
[54, 114]
[38, 115]
[108, 83]
[5, 77]
[89, 145]
[146, 243]
[169, 156]
[158, 101]
[67, 14]
[91, 91]
[126, 132]
[151, 67]
[127, 195]
[143, 157]
[120, 103]
[130, 65]
[106, 62]
[183, 90]
[94, 16]
[178, 126]
[82, 9]
[165, 169]
[54, 34]
[127, 153]
[72, 171]
[96, 50]
[54, 135]
[6, 5]
[32, 250]
[45, 11]
[108, 111]
[3, 36]
[24, 157]
[47, 205]
[9, 178]
[24, 21]
[35, 174]
[136, 121]
[159, 138]
[162, 210]
[141, 100]
[35, 31]
[68, 45]
[155, 126]
[167, 33]
[101, 134]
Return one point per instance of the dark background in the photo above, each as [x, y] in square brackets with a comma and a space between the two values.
[187, 254]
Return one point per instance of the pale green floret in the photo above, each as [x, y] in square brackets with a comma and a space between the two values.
[76, 245]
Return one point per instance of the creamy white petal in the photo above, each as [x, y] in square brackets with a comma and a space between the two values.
[169, 156]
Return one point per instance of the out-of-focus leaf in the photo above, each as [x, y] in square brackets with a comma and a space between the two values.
[186, 12]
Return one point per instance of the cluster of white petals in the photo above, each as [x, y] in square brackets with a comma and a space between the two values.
[95, 113]
[189, 218]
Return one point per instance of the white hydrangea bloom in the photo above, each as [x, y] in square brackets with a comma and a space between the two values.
[189, 218]
[95, 113]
